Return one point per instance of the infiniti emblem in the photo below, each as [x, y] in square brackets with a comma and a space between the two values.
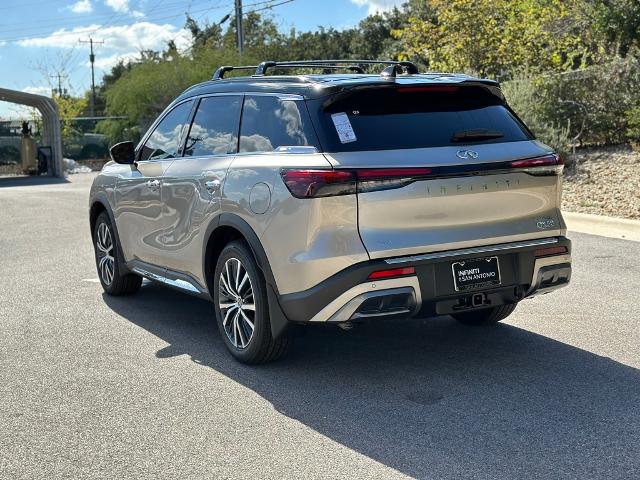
[467, 154]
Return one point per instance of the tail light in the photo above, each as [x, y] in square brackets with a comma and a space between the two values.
[547, 165]
[326, 183]
[319, 183]
[312, 183]
[370, 180]
[391, 273]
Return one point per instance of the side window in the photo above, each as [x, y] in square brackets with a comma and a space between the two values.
[166, 139]
[214, 130]
[270, 122]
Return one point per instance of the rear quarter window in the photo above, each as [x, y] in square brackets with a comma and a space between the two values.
[270, 122]
[415, 117]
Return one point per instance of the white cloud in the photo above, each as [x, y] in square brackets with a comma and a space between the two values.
[379, 5]
[118, 5]
[107, 63]
[122, 6]
[123, 38]
[81, 6]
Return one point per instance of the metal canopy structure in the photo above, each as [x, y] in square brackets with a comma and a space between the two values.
[51, 134]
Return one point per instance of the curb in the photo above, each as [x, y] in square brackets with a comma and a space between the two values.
[604, 226]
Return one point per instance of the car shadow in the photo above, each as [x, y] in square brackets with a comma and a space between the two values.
[429, 397]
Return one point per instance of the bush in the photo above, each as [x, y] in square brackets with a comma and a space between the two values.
[523, 96]
[633, 127]
[594, 100]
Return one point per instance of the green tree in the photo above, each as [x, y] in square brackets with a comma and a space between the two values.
[68, 109]
[492, 37]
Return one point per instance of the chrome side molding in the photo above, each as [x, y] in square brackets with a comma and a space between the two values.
[176, 283]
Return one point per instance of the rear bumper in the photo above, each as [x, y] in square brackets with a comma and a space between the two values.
[349, 295]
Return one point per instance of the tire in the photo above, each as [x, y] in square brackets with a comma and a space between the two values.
[114, 280]
[242, 308]
[486, 316]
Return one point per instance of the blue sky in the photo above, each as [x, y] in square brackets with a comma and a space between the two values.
[40, 37]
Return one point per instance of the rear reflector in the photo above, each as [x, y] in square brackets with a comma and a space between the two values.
[394, 272]
[545, 252]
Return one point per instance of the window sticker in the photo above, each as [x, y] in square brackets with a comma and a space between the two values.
[343, 127]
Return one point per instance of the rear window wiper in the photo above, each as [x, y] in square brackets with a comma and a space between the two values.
[475, 135]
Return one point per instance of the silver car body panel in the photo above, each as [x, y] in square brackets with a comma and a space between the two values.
[306, 240]
[460, 212]
[191, 195]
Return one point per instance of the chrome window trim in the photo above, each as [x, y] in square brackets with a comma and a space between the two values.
[471, 251]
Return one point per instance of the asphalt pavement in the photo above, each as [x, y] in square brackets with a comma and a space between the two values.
[142, 387]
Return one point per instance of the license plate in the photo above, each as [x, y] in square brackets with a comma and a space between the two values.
[476, 273]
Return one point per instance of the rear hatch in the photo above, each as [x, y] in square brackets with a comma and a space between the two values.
[440, 167]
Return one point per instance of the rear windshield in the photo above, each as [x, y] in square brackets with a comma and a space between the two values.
[415, 117]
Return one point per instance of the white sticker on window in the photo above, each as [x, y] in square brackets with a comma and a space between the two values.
[343, 127]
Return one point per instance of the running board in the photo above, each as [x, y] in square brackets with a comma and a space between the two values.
[180, 282]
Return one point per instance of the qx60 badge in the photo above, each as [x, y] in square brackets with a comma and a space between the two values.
[464, 154]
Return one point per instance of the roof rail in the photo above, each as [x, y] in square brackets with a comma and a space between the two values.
[409, 67]
[219, 73]
[393, 67]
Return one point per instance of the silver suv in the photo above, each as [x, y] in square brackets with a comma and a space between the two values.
[334, 198]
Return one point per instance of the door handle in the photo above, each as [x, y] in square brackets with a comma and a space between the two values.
[212, 186]
[153, 184]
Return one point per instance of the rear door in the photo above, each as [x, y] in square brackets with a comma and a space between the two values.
[138, 203]
[435, 168]
[192, 185]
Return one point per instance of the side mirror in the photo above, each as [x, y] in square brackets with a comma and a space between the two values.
[123, 152]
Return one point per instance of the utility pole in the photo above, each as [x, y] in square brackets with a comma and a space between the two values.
[59, 76]
[239, 31]
[92, 59]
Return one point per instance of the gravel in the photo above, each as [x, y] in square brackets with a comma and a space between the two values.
[603, 181]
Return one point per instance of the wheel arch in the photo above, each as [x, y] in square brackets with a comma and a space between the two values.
[99, 204]
[226, 228]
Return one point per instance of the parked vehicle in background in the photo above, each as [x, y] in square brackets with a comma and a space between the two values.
[334, 198]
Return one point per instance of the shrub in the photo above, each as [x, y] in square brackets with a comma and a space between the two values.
[523, 96]
[633, 127]
[594, 100]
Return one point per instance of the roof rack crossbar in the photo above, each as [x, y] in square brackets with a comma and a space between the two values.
[410, 67]
[219, 73]
[353, 68]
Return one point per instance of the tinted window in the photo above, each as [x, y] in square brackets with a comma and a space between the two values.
[214, 130]
[165, 141]
[393, 118]
[271, 122]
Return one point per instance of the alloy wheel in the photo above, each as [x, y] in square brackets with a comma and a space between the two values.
[236, 302]
[104, 247]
